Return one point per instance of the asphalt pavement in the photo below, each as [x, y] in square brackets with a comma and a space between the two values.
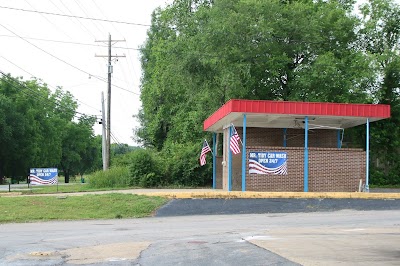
[183, 207]
[364, 238]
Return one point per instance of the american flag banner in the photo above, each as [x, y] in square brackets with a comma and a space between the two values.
[234, 141]
[43, 176]
[206, 148]
[268, 163]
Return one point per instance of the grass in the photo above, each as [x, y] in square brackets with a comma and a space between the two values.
[51, 189]
[105, 206]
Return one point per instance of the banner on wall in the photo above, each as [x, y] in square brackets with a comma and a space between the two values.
[43, 176]
[268, 163]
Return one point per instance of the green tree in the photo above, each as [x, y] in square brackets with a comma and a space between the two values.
[380, 36]
[199, 54]
[79, 150]
[37, 129]
[25, 103]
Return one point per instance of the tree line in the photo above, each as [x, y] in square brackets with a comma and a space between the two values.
[40, 128]
[201, 53]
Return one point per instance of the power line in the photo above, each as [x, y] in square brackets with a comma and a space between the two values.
[65, 62]
[35, 94]
[69, 42]
[73, 16]
[126, 45]
[97, 109]
[115, 139]
[54, 25]
[86, 14]
[80, 23]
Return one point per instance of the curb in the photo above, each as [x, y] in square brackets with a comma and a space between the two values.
[270, 195]
[231, 194]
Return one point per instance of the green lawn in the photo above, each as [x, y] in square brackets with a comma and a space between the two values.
[49, 189]
[63, 207]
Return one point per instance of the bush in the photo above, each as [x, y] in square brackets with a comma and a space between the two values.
[122, 159]
[115, 177]
[176, 164]
[144, 169]
[182, 165]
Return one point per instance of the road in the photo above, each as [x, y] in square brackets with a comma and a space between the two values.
[346, 237]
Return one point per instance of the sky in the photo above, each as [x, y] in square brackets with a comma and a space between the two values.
[61, 51]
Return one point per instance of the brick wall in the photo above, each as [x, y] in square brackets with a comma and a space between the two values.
[330, 169]
[293, 181]
[324, 138]
[336, 169]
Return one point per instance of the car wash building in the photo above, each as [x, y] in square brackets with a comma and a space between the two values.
[291, 146]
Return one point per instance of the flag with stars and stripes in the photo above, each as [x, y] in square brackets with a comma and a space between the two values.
[234, 141]
[206, 148]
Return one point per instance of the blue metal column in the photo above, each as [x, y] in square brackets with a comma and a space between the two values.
[339, 139]
[284, 137]
[306, 154]
[214, 160]
[367, 162]
[244, 154]
[229, 161]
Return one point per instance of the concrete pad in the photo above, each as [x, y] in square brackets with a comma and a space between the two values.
[334, 246]
[107, 253]
[104, 253]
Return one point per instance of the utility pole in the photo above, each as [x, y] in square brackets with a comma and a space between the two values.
[108, 122]
[103, 134]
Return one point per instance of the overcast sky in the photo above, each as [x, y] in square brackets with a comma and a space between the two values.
[21, 58]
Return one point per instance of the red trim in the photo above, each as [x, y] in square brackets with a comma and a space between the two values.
[298, 108]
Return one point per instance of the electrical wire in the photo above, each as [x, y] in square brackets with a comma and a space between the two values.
[86, 14]
[69, 42]
[48, 84]
[126, 45]
[54, 25]
[115, 139]
[65, 62]
[35, 94]
[80, 23]
[73, 16]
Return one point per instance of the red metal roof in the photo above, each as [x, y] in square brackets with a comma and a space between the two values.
[285, 108]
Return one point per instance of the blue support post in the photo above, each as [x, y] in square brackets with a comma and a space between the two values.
[367, 159]
[284, 137]
[244, 154]
[339, 139]
[229, 161]
[306, 154]
[214, 160]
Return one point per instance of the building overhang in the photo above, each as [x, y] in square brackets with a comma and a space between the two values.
[285, 114]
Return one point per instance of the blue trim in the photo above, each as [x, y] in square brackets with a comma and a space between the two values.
[244, 154]
[367, 159]
[229, 161]
[285, 137]
[306, 154]
[339, 139]
[214, 160]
